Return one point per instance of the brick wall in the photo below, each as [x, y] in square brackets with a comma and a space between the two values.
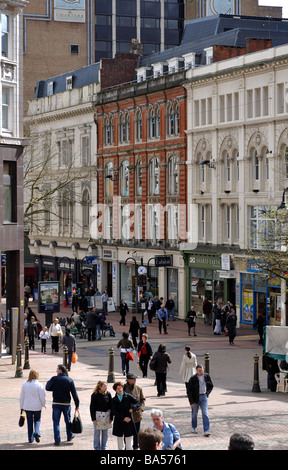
[121, 69]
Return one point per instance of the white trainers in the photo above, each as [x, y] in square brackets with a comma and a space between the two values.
[207, 433]
[194, 431]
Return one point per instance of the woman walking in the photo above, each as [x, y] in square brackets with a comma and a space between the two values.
[55, 333]
[32, 400]
[162, 361]
[101, 414]
[126, 346]
[123, 309]
[134, 330]
[123, 405]
[188, 365]
[191, 320]
[144, 354]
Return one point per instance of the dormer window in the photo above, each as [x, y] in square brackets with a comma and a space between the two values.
[69, 82]
[50, 88]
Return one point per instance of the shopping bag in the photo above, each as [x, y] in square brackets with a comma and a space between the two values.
[74, 358]
[129, 356]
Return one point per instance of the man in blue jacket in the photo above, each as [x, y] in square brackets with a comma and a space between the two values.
[62, 388]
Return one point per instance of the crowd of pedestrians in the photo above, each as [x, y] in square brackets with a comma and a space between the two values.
[123, 412]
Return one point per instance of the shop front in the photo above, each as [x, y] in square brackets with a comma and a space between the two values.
[260, 296]
[205, 279]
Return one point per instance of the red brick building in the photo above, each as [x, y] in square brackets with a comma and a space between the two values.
[142, 180]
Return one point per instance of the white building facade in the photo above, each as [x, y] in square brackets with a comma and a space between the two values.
[237, 142]
[61, 183]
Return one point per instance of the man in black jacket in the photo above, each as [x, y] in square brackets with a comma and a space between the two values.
[62, 387]
[198, 389]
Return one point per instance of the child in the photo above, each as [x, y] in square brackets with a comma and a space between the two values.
[44, 336]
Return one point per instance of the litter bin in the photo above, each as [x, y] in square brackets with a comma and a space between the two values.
[143, 329]
[64, 303]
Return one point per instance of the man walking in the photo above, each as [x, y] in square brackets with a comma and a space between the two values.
[62, 388]
[198, 390]
[231, 322]
[162, 319]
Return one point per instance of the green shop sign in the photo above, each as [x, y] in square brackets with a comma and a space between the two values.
[204, 261]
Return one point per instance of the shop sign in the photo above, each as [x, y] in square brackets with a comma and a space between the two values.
[107, 254]
[227, 274]
[163, 261]
[205, 261]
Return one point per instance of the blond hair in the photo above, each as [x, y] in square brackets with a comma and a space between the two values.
[33, 375]
[99, 385]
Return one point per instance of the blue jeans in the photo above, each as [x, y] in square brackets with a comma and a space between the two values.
[56, 415]
[33, 417]
[125, 363]
[203, 404]
[171, 312]
[98, 330]
[100, 444]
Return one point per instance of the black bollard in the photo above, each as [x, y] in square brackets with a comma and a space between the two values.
[26, 361]
[65, 357]
[111, 376]
[256, 384]
[207, 363]
[19, 372]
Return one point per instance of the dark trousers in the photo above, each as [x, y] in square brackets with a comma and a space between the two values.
[161, 383]
[160, 323]
[143, 363]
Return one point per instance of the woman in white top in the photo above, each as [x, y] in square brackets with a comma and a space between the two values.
[55, 332]
[188, 365]
[32, 400]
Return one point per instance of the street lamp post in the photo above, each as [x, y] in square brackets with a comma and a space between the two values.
[283, 204]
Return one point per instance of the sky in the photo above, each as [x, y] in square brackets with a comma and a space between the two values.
[276, 3]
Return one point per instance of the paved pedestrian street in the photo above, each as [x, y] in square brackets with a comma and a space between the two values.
[263, 415]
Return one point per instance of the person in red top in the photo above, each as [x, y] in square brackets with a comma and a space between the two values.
[145, 353]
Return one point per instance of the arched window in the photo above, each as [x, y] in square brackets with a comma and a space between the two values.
[138, 125]
[284, 157]
[108, 130]
[255, 165]
[227, 167]
[124, 128]
[138, 178]
[108, 179]
[173, 175]
[124, 175]
[154, 173]
[172, 119]
[154, 122]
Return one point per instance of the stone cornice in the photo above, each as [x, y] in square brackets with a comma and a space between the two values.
[56, 115]
[237, 71]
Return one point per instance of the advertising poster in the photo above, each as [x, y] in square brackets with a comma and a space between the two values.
[247, 306]
[49, 298]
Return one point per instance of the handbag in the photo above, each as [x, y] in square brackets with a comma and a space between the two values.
[76, 425]
[74, 358]
[21, 420]
[153, 363]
